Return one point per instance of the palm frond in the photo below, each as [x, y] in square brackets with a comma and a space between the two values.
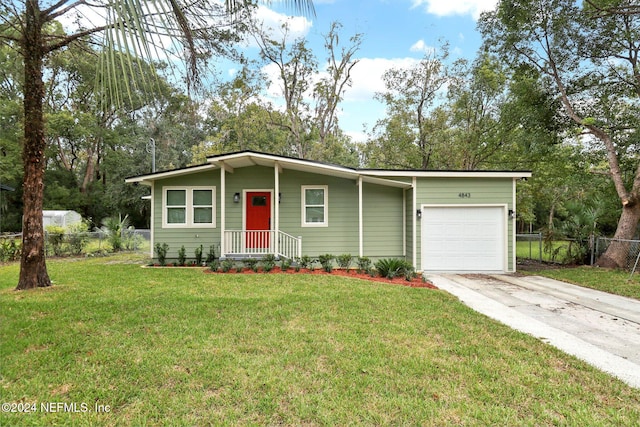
[302, 6]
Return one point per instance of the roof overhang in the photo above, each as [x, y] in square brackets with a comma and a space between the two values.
[232, 161]
[148, 179]
[447, 174]
[244, 159]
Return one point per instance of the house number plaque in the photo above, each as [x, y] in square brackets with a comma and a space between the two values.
[464, 195]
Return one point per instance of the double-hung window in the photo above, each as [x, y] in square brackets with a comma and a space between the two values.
[188, 207]
[315, 212]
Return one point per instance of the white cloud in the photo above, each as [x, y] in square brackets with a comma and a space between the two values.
[272, 22]
[422, 47]
[456, 7]
[367, 76]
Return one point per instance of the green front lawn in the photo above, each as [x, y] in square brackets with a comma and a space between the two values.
[180, 347]
[617, 282]
[536, 250]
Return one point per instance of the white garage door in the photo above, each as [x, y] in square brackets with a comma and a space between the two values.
[468, 238]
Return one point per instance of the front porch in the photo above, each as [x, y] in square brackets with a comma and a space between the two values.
[241, 244]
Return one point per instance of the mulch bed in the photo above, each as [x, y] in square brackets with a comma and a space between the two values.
[415, 283]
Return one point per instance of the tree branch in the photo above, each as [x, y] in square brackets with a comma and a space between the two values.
[70, 39]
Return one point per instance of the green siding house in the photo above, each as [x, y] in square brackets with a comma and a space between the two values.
[248, 204]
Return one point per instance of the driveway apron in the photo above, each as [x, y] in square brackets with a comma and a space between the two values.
[599, 328]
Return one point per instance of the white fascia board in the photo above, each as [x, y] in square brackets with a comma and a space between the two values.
[450, 174]
[148, 179]
[285, 163]
[385, 182]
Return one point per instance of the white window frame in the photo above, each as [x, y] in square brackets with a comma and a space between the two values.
[325, 223]
[189, 207]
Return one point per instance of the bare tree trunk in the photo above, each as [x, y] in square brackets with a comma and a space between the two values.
[33, 269]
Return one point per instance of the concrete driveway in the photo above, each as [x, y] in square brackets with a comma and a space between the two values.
[597, 327]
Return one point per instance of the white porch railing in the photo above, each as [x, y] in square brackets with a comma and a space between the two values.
[247, 243]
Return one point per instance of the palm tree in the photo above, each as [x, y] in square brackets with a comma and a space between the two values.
[139, 28]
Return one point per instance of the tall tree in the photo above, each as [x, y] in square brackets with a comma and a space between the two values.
[474, 106]
[134, 27]
[410, 96]
[329, 91]
[310, 108]
[591, 61]
[296, 66]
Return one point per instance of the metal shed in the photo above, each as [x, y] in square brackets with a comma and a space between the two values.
[60, 218]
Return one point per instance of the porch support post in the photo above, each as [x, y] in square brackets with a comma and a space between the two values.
[153, 209]
[360, 223]
[404, 224]
[415, 223]
[223, 197]
[276, 212]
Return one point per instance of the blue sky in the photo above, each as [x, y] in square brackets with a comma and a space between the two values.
[395, 33]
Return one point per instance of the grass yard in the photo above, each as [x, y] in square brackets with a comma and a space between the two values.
[613, 281]
[180, 347]
[535, 250]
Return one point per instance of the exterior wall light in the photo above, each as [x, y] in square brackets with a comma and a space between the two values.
[236, 198]
[512, 214]
[419, 213]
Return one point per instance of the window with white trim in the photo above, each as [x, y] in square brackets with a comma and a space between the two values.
[188, 207]
[315, 212]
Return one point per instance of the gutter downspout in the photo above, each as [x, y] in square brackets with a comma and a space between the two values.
[223, 191]
[276, 221]
[360, 222]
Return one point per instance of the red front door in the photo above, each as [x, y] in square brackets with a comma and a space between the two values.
[258, 218]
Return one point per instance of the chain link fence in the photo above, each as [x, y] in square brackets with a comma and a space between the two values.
[529, 246]
[532, 246]
[77, 244]
[631, 247]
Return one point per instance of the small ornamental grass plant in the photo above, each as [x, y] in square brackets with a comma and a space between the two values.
[394, 267]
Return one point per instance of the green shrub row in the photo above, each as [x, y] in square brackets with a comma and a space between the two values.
[161, 250]
[388, 267]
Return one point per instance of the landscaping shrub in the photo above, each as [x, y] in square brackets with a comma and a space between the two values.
[305, 261]
[364, 265]
[211, 255]
[114, 228]
[325, 261]
[182, 255]
[393, 267]
[251, 263]
[227, 265]
[285, 264]
[55, 238]
[161, 252]
[214, 265]
[198, 254]
[77, 238]
[268, 262]
[9, 249]
[344, 261]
